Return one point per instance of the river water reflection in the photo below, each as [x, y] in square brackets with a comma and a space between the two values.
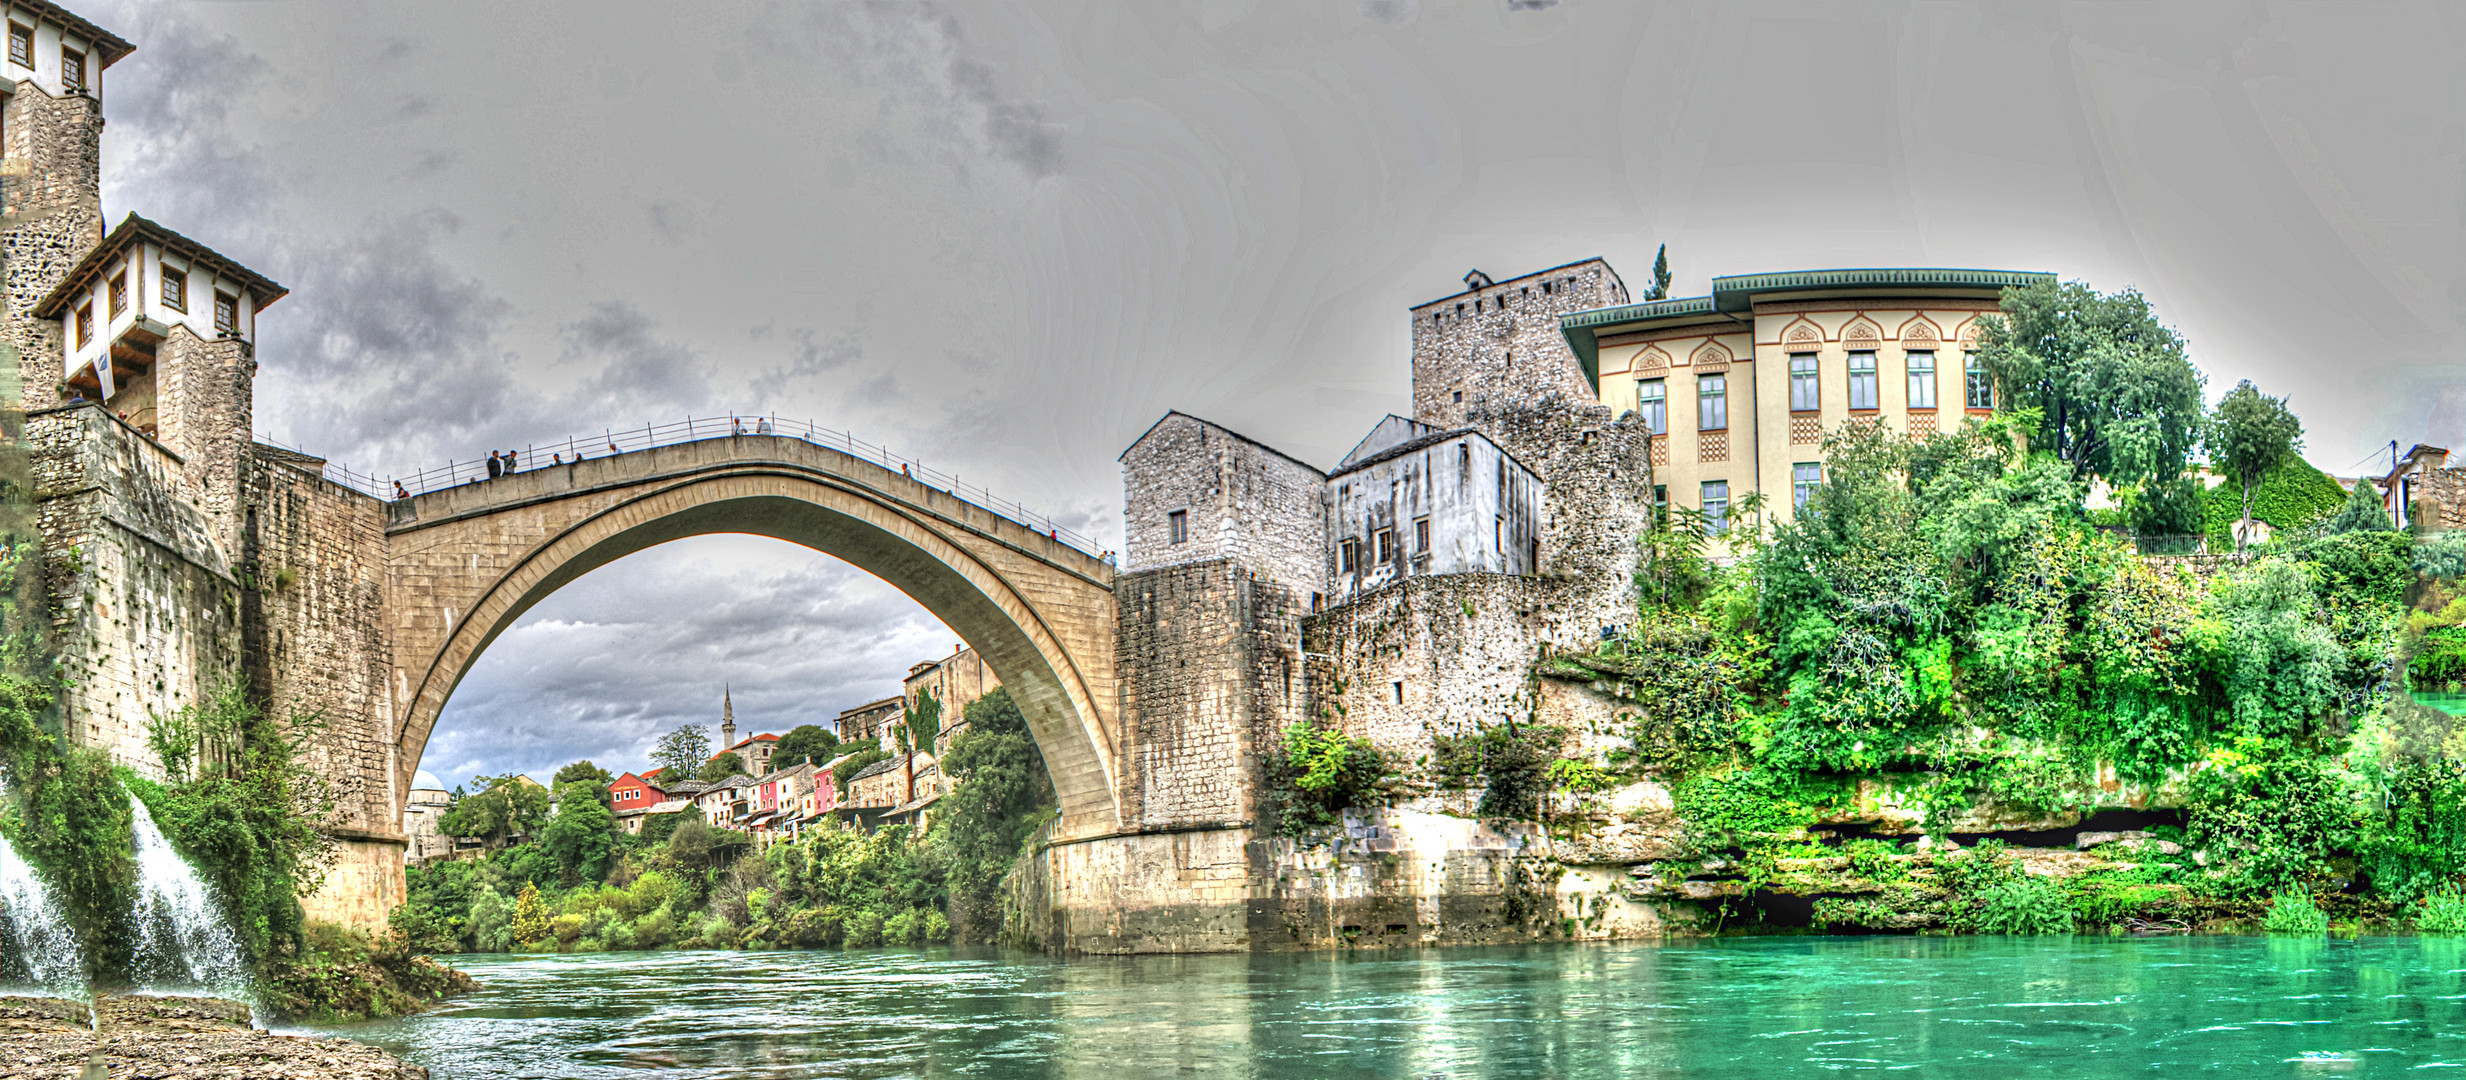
[1993, 1007]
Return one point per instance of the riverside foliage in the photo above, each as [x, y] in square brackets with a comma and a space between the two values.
[1942, 619]
[586, 886]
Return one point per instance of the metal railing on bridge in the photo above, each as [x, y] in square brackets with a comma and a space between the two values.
[695, 429]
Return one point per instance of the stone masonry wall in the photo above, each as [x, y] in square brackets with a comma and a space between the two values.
[1244, 502]
[51, 215]
[1440, 655]
[1212, 669]
[2445, 492]
[314, 552]
[204, 411]
[1596, 491]
[145, 610]
[1498, 346]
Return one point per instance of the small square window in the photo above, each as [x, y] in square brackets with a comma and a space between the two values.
[21, 45]
[119, 293]
[1459, 397]
[1421, 536]
[175, 289]
[1179, 522]
[72, 69]
[227, 313]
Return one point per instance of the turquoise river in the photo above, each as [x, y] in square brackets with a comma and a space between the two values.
[1745, 1007]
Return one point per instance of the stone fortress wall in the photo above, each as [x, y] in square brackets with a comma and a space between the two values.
[1207, 653]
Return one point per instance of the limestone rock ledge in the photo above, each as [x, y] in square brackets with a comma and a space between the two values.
[172, 1037]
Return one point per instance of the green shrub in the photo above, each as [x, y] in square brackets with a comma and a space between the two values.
[865, 929]
[904, 928]
[1316, 773]
[2107, 903]
[2294, 913]
[2027, 904]
[492, 922]
[2444, 912]
[2290, 496]
[1721, 808]
[1876, 860]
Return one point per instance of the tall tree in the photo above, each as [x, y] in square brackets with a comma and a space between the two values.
[918, 730]
[680, 753]
[2250, 434]
[803, 743]
[722, 767]
[581, 770]
[583, 834]
[505, 806]
[2117, 398]
[1661, 275]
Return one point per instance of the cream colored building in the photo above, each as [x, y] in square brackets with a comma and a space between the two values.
[955, 681]
[1742, 385]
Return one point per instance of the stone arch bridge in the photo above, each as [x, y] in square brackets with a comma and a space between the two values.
[465, 561]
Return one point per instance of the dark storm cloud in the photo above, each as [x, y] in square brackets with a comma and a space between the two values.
[395, 347]
[626, 365]
[170, 132]
[920, 53]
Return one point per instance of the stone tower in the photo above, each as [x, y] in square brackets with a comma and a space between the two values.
[727, 719]
[1496, 346]
[51, 205]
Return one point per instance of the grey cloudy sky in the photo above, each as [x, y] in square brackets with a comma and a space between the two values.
[1004, 238]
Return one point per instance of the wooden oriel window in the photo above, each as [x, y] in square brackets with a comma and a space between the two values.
[227, 313]
[21, 45]
[85, 325]
[175, 289]
[119, 293]
[72, 68]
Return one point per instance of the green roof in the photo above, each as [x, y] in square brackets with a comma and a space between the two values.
[1735, 295]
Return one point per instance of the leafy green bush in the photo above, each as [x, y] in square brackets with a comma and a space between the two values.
[2267, 813]
[2443, 912]
[1722, 808]
[2293, 912]
[2290, 496]
[1316, 773]
[2027, 904]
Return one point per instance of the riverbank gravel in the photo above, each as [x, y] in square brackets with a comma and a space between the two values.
[172, 1037]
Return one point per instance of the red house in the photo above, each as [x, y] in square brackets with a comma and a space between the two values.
[631, 792]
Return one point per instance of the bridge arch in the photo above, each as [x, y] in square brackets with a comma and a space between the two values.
[466, 562]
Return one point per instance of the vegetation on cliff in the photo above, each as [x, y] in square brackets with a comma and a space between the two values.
[588, 887]
[1941, 628]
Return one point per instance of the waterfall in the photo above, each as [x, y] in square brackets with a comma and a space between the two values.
[39, 947]
[182, 941]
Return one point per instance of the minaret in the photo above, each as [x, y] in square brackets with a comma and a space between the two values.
[727, 721]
